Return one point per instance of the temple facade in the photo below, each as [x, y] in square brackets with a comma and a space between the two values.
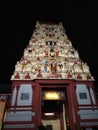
[51, 84]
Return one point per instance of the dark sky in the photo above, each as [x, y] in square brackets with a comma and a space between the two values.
[19, 18]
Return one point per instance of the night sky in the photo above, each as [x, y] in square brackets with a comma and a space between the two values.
[18, 20]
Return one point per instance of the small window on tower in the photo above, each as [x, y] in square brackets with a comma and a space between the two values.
[54, 43]
[83, 95]
[50, 42]
[24, 96]
[46, 42]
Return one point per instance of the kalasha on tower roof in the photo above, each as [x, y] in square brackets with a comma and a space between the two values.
[50, 55]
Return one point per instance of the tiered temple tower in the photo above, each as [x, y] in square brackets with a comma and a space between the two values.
[51, 75]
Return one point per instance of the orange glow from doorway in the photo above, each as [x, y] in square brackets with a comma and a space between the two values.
[52, 95]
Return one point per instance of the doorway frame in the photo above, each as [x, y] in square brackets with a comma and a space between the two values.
[67, 84]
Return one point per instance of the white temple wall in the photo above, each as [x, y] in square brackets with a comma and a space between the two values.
[92, 95]
[82, 93]
[88, 114]
[20, 116]
[14, 96]
[25, 94]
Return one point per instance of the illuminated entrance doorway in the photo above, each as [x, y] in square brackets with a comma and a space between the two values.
[54, 108]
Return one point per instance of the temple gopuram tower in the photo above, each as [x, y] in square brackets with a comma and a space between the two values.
[51, 84]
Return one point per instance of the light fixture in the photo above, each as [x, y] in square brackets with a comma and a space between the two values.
[52, 95]
[49, 114]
